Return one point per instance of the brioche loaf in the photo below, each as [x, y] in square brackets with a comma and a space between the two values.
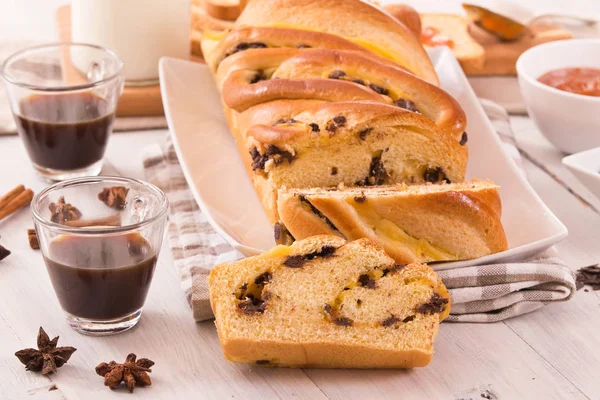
[308, 89]
[325, 303]
[420, 223]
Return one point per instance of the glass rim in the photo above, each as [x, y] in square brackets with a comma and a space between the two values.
[20, 53]
[94, 231]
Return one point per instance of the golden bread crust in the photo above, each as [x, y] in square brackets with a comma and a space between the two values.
[407, 15]
[414, 224]
[308, 74]
[353, 19]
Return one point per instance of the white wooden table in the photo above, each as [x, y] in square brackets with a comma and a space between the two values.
[553, 353]
[550, 354]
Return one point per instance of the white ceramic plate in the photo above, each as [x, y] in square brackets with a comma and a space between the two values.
[216, 175]
[585, 166]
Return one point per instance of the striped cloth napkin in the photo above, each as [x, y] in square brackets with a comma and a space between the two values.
[486, 293]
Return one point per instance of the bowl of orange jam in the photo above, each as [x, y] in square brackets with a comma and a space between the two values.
[560, 84]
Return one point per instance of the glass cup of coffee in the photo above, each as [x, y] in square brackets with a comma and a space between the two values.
[100, 239]
[63, 98]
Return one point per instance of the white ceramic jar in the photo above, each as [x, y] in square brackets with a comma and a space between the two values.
[140, 32]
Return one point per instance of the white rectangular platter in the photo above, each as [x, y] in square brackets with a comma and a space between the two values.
[216, 175]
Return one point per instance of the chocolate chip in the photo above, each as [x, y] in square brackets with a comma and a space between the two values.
[340, 120]
[358, 302]
[251, 305]
[334, 170]
[245, 46]
[379, 89]
[303, 46]
[359, 81]
[391, 320]
[295, 261]
[314, 127]
[363, 134]
[331, 127]
[262, 362]
[251, 45]
[436, 304]
[327, 308]
[408, 319]
[366, 281]
[273, 152]
[588, 276]
[360, 199]
[343, 321]
[435, 175]
[377, 173]
[337, 74]
[407, 105]
[298, 261]
[263, 278]
[464, 139]
[395, 268]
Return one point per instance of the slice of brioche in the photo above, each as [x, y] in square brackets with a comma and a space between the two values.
[419, 223]
[326, 303]
[469, 53]
[228, 10]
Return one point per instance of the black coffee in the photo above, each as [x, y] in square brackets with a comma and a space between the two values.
[64, 131]
[101, 278]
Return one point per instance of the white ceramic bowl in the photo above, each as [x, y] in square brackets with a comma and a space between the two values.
[570, 121]
[586, 167]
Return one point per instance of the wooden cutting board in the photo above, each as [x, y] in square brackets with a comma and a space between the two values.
[481, 53]
[501, 57]
[134, 101]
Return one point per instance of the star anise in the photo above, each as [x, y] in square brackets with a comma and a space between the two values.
[63, 211]
[114, 197]
[47, 358]
[132, 372]
[4, 252]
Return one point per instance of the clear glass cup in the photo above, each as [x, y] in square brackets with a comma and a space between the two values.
[63, 98]
[100, 256]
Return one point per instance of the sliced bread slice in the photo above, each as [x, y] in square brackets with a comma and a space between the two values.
[325, 303]
[414, 223]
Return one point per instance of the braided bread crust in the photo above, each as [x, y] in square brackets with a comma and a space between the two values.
[413, 223]
[262, 75]
[354, 20]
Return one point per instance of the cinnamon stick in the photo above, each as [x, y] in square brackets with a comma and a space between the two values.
[111, 220]
[8, 197]
[18, 202]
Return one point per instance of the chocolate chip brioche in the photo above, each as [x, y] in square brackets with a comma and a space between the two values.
[420, 223]
[326, 303]
[353, 20]
[354, 143]
[263, 75]
[324, 93]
